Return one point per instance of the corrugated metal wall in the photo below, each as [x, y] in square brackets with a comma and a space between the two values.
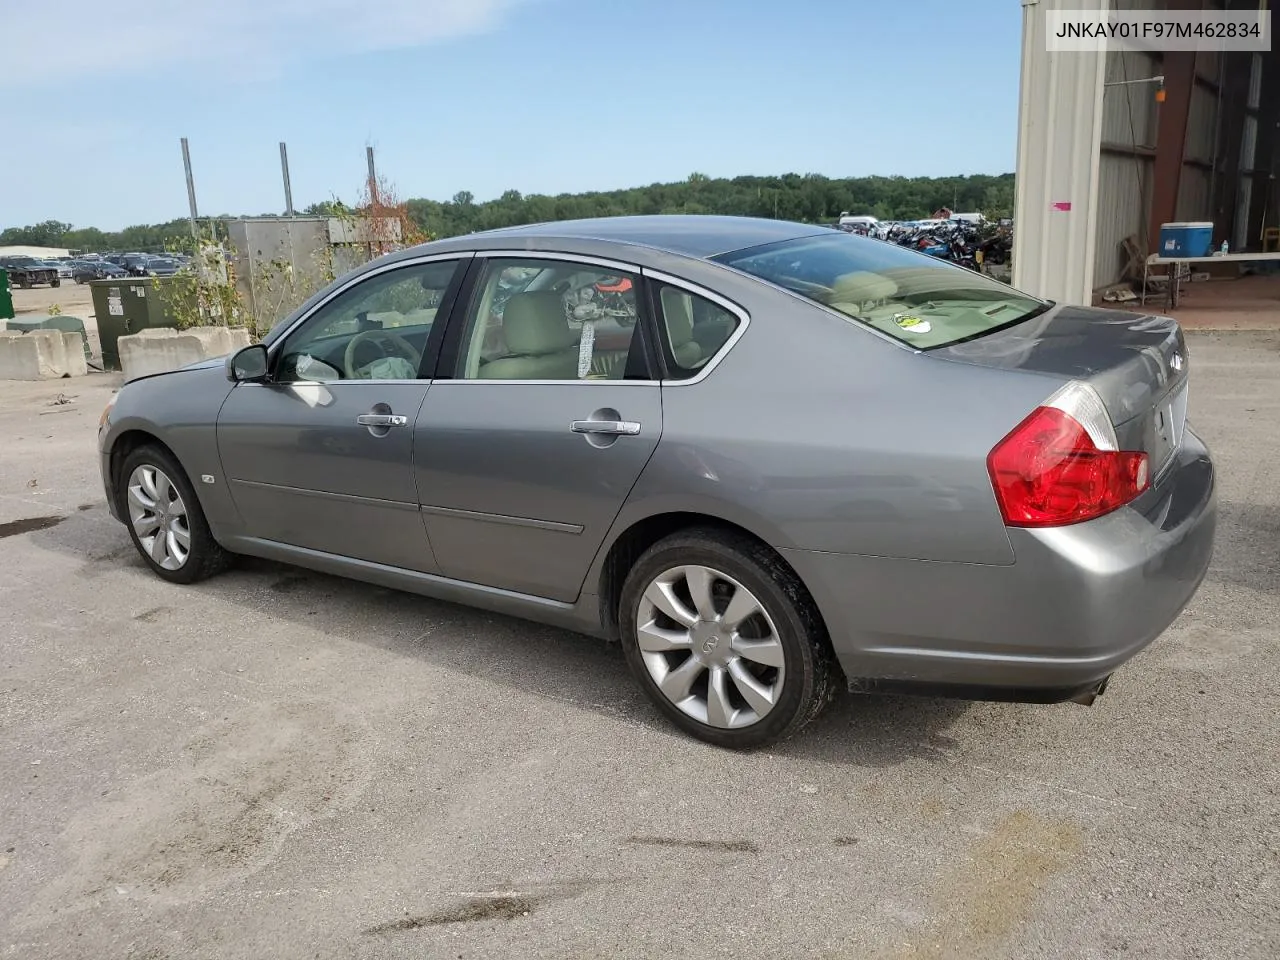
[1129, 120]
[1195, 188]
[1124, 178]
[1059, 128]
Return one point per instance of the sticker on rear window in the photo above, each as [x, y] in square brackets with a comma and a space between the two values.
[912, 324]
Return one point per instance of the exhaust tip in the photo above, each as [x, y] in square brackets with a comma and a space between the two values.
[1087, 696]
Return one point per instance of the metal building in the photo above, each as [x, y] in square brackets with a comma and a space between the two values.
[1111, 145]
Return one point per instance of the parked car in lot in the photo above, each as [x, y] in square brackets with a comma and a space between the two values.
[161, 267]
[29, 272]
[136, 264]
[86, 270]
[780, 458]
[63, 267]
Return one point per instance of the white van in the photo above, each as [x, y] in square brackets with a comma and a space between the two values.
[848, 222]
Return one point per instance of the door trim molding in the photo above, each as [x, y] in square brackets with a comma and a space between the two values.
[552, 525]
[326, 494]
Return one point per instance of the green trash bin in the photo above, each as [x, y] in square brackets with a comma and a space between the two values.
[55, 322]
[127, 305]
[6, 298]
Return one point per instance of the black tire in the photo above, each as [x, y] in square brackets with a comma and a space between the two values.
[55, 282]
[811, 675]
[206, 556]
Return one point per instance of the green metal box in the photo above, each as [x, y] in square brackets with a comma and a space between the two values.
[6, 298]
[129, 304]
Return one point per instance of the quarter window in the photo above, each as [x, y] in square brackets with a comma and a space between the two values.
[552, 320]
[695, 330]
[375, 330]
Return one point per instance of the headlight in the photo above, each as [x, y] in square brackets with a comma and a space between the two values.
[106, 413]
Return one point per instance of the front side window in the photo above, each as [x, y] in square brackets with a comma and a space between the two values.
[552, 320]
[375, 330]
[914, 298]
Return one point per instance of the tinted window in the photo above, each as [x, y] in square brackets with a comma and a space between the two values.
[694, 331]
[917, 299]
[552, 320]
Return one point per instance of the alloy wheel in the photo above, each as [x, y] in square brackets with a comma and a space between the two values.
[159, 517]
[710, 646]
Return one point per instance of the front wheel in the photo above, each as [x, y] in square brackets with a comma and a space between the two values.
[165, 520]
[55, 282]
[724, 639]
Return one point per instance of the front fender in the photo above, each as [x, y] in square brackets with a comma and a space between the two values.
[179, 410]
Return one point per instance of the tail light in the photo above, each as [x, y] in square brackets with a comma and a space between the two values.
[1061, 465]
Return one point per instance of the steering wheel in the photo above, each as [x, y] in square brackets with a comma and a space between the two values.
[382, 338]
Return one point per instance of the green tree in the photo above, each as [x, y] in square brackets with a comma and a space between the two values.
[47, 234]
[809, 197]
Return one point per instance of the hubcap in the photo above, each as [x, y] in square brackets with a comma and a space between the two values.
[709, 645]
[159, 517]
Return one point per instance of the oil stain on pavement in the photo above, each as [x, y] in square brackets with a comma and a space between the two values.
[29, 525]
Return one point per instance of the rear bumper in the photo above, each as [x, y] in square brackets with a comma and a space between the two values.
[1076, 603]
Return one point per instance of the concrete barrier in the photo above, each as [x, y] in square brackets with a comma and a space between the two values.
[160, 349]
[41, 355]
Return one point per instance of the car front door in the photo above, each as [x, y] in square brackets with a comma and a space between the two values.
[320, 455]
[543, 414]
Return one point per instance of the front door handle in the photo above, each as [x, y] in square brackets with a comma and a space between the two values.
[610, 428]
[381, 420]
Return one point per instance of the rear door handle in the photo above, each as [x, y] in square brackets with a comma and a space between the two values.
[610, 428]
[381, 420]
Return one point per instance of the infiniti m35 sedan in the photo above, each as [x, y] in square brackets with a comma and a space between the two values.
[768, 458]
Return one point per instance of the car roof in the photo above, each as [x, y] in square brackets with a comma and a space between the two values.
[688, 235]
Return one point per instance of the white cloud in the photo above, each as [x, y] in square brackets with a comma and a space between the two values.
[93, 39]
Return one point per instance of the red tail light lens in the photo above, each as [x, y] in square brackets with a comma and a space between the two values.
[1049, 472]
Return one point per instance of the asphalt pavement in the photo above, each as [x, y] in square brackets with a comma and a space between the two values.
[281, 764]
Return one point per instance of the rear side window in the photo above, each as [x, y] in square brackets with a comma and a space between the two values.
[917, 299]
[694, 331]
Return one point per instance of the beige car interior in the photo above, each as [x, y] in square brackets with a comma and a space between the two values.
[540, 343]
[677, 308]
[535, 340]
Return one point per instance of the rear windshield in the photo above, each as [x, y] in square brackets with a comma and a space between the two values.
[914, 298]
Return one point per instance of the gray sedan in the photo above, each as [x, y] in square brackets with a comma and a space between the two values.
[768, 458]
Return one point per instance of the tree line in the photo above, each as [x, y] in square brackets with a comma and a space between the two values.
[808, 198]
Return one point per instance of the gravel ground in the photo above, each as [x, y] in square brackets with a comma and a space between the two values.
[281, 764]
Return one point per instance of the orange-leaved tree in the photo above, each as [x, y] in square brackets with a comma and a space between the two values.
[386, 217]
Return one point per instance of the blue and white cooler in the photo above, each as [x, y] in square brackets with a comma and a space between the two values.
[1185, 239]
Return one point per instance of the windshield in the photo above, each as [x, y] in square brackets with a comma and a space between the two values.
[916, 299]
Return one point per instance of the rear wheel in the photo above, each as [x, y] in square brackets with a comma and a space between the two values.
[724, 639]
[165, 520]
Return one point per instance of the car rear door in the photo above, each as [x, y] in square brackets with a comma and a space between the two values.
[322, 459]
[543, 414]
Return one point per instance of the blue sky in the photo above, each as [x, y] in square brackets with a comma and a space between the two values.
[541, 96]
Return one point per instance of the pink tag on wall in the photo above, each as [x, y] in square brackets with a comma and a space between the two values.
[1063, 205]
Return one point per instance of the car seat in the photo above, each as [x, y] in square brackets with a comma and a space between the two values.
[540, 343]
[678, 310]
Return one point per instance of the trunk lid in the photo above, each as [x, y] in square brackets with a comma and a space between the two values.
[1137, 364]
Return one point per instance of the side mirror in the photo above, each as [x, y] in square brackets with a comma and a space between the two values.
[248, 364]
